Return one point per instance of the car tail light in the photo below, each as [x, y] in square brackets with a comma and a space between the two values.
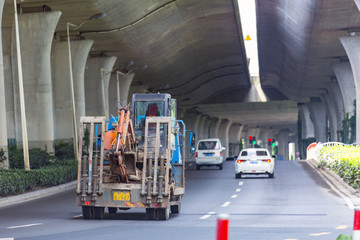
[240, 160]
[196, 154]
[266, 160]
[220, 154]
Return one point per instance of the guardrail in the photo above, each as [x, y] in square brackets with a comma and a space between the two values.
[313, 150]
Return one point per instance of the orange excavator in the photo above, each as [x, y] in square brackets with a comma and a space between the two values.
[120, 146]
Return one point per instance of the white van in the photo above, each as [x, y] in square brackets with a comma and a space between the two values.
[209, 152]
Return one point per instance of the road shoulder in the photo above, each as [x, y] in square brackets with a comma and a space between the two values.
[350, 195]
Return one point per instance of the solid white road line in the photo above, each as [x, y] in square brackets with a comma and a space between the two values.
[6, 238]
[241, 183]
[225, 204]
[234, 196]
[238, 189]
[24, 226]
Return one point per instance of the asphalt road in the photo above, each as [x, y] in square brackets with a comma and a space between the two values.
[296, 204]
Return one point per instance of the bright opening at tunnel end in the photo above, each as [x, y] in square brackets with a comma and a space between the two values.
[247, 10]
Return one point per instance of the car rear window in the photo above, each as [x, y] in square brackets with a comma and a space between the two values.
[254, 153]
[208, 145]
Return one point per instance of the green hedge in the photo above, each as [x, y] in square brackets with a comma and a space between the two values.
[344, 161]
[15, 181]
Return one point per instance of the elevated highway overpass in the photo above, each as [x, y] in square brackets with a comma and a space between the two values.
[192, 49]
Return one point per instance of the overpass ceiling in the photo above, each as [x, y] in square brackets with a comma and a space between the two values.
[298, 43]
[193, 49]
[274, 113]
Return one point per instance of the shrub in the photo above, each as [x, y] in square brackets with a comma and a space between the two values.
[17, 181]
[38, 158]
[64, 150]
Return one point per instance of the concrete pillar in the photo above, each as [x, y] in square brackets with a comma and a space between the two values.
[234, 139]
[307, 124]
[284, 144]
[61, 85]
[3, 125]
[318, 116]
[36, 37]
[196, 127]
[336, 97]
[224, 135]
[345, 79]
[95, 83]
[124, 88]
[331, 114]
[352, 48]
[214, 126]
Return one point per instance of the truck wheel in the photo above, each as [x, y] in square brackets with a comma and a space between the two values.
[163, 213]
[237, 175]
[99, 212]
[87, 212]
[112, 210]
[151, 213]
[175, 208]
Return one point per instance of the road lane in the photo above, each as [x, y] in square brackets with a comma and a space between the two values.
[296, 204]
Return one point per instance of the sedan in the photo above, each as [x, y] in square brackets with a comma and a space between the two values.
[254, 161]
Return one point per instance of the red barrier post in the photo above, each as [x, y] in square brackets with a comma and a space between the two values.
[356, 231]
[222, 227]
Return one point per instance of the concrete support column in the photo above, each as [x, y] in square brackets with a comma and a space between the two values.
[61, 85]
[214, 128]
[284, 144]
[3, 125]
[318, 115]
[36, 37]
[224, 135]
[331, 114]
[234, 139]
[307, 125]
[205, 127]
[198, 119]
[95, 83]
[352, 48]
[337, 99]
[345, 79]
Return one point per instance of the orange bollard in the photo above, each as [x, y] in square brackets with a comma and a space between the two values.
[222, 227]
[356, 231]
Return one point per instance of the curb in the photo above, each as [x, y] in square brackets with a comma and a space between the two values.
[7, 201]
[348, 193]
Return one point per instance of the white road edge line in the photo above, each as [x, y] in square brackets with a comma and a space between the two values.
[234, 196]
[23, 226]
[78, 216]
[342, 227]
[7, 238]
[241, 183]
[238, 190]
[226, 204]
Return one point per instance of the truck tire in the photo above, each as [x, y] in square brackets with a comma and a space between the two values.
[175, 208]
[163, 213]
[112, 210]
[87, 212]
[151, 214]
[99, 212]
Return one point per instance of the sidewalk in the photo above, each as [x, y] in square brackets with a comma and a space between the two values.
[7, 201]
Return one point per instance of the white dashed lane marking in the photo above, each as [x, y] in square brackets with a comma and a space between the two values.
[24, 226]
[241, 183]
[207, 215]
[342, 227]
[320, 234]
[225, 204]
[234, 196]
[238, 189]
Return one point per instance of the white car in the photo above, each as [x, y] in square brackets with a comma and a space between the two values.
[209, 153]
[254, 161]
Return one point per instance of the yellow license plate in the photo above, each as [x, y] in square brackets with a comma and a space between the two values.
[121, 196]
